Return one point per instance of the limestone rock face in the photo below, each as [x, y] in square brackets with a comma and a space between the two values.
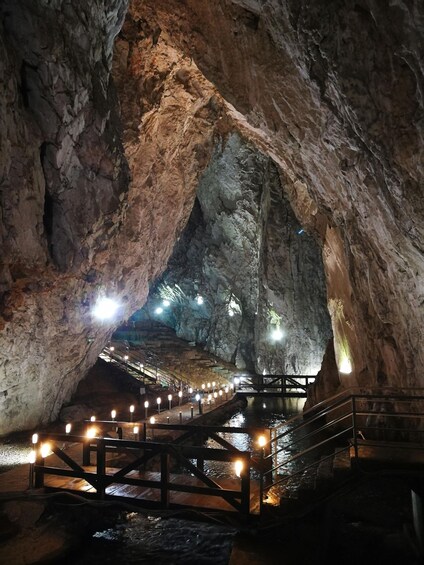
[91, 202]
[103, 142]
[333, 94]
[255, 269]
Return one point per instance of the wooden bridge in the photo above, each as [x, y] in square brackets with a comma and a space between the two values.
[155, 474]
[294, 386]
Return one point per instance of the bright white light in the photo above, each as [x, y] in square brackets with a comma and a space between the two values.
[166, 303]
[158, 400]
[169, 397]
[113, 414]
[152, 419]
[159, 310]
[345, 365]
[230, 313]
[34, 438]
[111, 348]
[180, 393]
[91, 432]
[197, 397]
[105, 308]
[238, 467]
[126, 357]
[199, 299]
[135, 430]
[277, 334]
[93, 419]
[68, 428]
[190, 390]
[261, 441]
[45, 450]
[31, 456]
[146, 404]
[132, 408]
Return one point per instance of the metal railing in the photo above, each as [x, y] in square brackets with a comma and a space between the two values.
[366, 424]
[138, 367]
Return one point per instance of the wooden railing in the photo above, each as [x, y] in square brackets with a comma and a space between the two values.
[103, 474]
[276, 384]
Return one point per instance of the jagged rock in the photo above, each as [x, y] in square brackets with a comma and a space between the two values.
[98, 175]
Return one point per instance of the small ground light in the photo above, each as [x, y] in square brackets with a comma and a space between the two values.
[45, 450]
[261, 441]
[199, 299]
[158, 401]
[111, 348]
[146, 406]
[93, 419]
[91, 432]
[170, 401]
[126, 357]
[152, 420]
[113, 414]
[135, 430]
[34, 438]
[32, 456]
[131, 411]
[180, 395]
[238, 467]
[68, 428]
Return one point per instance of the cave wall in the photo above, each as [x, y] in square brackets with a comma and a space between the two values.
[92, 198]
[246, 255]
[333, 92]
[103, 142]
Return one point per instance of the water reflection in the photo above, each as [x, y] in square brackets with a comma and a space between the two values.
[255, 415]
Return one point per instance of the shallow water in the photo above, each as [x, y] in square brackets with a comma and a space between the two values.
[148, 540]
[139, 539]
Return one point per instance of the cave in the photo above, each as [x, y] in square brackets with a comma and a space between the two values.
[257, 164]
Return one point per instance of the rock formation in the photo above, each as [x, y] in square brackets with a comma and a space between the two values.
[98, 176]
[255, 269]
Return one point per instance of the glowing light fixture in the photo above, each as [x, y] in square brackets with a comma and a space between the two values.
[152, 420]
[105, 308]
[68, 428]
[91, 432]
[126, 357]
[199, 299]
[345, 365]
[113, 414]
[135, 430]
[231, 313]
[238, 467]
[111, 348]
[93, 419]
[261, 441]
[34, 438]
[277, 334]
[132, 408]
[166, 302]
[31, 457]
[45, 450]
[159, 310]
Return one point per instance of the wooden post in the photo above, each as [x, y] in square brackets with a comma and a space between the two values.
[86, 459]
[39, 475]
[101, 468]
[164, 478]
[245, 486]
[200, 461]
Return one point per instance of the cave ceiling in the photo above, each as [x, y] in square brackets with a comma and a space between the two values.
[110, 113]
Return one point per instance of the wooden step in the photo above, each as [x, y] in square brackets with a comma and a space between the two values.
[341, 461]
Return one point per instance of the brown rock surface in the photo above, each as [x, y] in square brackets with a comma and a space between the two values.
[331, 93]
